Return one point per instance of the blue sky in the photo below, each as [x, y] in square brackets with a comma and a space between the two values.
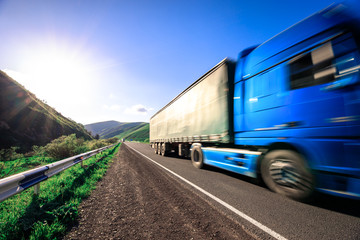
[124, 60]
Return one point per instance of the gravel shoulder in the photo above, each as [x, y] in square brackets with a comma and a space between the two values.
[138, 200]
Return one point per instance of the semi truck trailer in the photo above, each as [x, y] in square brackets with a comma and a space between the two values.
[287, 111]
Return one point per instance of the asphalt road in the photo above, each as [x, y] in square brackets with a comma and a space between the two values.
[138, 200]
[263, 213]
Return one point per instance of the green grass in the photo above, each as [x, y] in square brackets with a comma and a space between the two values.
[49, 215]
[8, 168]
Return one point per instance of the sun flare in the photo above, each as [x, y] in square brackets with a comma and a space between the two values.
[58, 68]
[58, 75]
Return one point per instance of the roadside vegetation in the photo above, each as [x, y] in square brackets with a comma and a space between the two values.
[49, 214]
[12, 162]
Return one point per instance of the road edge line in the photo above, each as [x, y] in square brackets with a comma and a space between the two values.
[228, 206]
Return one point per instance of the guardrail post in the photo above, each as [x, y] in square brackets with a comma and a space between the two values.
[37, 189]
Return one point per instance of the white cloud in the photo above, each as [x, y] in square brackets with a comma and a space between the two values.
[138, 109]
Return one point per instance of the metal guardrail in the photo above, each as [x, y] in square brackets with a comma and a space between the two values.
[17, 183]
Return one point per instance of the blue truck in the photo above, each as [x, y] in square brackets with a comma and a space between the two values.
[287, 111]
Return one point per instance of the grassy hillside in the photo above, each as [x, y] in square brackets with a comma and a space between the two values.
[140, 134]
[138, 131]
[123, 127]
[100, 127]
[26, 121]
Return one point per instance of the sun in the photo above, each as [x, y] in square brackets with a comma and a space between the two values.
[60, 76]
[58, 68]
[67, 75]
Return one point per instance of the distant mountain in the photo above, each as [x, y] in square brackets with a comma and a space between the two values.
[137, 131]
[26, 121]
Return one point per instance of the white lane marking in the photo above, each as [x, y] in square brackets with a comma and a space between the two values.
[228, 206]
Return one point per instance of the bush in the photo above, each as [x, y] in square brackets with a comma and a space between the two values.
[9, 161]
[9, 154]
[65, 146]
[112, 140]
[68, 146]
[95, 144]
[38, 151]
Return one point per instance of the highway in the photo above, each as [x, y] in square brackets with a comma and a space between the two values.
[264, 214]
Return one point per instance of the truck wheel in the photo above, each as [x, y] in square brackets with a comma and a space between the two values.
[163, 149]
[156, 148]
[159, 148]
[197, 156]
[285, 172]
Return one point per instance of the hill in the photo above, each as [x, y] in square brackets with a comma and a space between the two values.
[26, 121]
[100, 127]
[137, 131]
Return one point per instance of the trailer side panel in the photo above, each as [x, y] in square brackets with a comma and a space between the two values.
[202, 113]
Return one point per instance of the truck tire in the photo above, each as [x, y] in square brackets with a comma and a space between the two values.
[163, 149]
[285, 172]
[197, 157]
[157, 148]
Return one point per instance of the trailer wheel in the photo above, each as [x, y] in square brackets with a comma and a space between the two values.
[163, 149]
[161, 146]
[157, 148]
[197, 158]
[285, 172]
